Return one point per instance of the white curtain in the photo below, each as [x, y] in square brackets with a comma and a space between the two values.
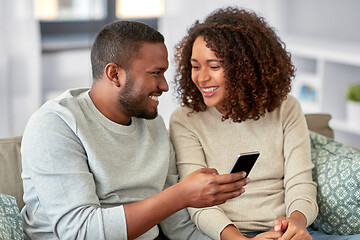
[20, 59]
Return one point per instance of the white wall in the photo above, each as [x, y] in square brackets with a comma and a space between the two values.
[20, 50]
[63, 70]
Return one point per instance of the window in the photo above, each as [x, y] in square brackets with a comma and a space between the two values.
[62, 10]
[131, 9]
[67, 24]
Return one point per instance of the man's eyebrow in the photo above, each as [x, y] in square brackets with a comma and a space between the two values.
[158, 69]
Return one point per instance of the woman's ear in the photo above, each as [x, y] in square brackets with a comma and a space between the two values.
[114, 73]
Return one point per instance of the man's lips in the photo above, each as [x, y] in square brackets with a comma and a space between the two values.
[154, 96]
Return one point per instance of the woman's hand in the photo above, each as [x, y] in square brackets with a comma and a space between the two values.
[268, 235]
[205, 187]
[293, 227]
[230, 232]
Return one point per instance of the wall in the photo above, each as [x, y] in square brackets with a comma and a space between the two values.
[20, 50]
[63, 70]
[333, 19]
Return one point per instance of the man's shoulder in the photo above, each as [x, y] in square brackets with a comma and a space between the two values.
[60, 109]
[65, 99]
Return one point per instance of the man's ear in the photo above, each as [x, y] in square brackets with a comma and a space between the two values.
[114, 73]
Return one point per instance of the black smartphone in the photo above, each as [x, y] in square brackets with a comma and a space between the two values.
[244, 162]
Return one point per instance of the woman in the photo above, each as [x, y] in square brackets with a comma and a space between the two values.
[233, 79]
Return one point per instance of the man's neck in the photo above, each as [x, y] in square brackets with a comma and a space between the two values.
[106, 102]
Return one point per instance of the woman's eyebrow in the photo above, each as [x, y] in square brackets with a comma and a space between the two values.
[209, 60]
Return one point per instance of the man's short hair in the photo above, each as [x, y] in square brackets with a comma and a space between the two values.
[119, 42]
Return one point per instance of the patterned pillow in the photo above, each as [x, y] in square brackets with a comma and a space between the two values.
[337, 172]
[10, 221]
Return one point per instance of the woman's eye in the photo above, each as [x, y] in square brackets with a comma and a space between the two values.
[215, 67]
[195, 67]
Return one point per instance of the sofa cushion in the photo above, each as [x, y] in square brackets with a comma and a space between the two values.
[337, 173]
[10, 221]
[10, 170]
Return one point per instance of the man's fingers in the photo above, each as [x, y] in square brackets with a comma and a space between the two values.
[234, 186]
[230, 178]
[208, 171]
[225, 196]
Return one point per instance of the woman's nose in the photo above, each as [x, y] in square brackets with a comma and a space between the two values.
[203, 75]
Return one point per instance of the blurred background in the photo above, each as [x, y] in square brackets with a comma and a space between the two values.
[45, 49]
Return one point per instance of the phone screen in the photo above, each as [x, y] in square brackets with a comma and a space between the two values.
[244, 162]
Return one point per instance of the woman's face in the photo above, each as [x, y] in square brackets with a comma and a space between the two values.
[208, 74]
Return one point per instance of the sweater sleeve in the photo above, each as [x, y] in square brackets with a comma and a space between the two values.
[56, 170]
[300, 190]
[179, 225]
[190, 157]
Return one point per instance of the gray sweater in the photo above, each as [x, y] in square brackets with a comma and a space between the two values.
[79, 168]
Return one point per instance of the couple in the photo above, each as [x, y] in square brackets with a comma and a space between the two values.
[98, 163]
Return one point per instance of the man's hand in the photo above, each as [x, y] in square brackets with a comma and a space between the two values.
[205, 187]
[294, 227]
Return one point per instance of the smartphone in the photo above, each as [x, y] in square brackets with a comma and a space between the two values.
[244, 162]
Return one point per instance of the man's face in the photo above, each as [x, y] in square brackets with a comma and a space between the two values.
[145, 81]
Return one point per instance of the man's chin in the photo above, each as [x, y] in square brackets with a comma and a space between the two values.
[148, 115]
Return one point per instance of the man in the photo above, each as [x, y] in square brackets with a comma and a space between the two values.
[98, 163]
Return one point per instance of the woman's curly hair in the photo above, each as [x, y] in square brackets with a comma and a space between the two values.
[257, 68]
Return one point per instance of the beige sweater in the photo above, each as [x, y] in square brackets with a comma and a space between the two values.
[281, 180]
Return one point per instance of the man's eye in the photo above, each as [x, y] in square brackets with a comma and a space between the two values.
[155, 73]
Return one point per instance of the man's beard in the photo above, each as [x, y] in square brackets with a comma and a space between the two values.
[133, 103]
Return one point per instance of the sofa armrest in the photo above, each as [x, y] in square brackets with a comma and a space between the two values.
[319, 123]
[10, 170]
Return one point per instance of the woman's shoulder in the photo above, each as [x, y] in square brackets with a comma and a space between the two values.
[291, 104]
[291, 100]
[181, 112]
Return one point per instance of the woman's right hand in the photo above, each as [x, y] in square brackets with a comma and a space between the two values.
[268, 236]
[205, 187]
[230, 232]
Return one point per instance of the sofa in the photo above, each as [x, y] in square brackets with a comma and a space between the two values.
[337, 173]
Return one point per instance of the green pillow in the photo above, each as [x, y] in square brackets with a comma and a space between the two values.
[337, 173]
[10, 221]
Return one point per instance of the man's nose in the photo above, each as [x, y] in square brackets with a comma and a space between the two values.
[163, 85]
